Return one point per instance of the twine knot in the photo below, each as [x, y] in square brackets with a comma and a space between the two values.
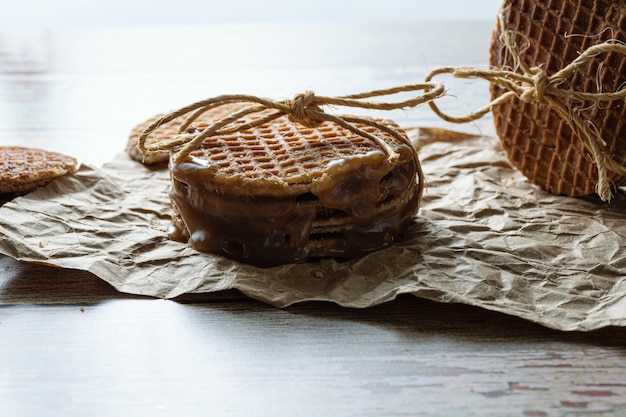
[540, 84]
[303, 110]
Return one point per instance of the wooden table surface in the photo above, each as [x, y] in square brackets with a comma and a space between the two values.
[71, 345]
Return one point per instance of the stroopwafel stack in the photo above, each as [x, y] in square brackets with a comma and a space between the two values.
[282, 192]
[550, 35]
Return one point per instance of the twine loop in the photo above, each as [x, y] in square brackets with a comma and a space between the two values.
[305, 109]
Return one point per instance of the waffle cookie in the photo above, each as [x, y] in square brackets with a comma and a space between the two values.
[549, 35]
[166, 132]
[24, 169]
[282, 193]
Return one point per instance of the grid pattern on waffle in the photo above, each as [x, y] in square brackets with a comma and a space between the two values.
[25, 168]
[26, 164]
[538, 142]
[286, 150]
[165, 132]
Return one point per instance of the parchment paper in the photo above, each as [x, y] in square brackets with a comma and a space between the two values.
[484, 236]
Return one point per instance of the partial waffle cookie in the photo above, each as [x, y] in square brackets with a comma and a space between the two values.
[24, 169]
[283, 193]
[551, 34]
[168, 131]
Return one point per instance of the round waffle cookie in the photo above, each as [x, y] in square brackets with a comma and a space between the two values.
[282, 193]
[549, 35]
[24, 169]
[168, 131]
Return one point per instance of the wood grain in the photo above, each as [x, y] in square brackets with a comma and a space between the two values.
[408, 357]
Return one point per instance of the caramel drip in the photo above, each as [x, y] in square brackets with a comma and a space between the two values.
[351, 213]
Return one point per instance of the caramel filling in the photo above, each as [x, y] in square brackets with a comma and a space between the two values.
[354, 208]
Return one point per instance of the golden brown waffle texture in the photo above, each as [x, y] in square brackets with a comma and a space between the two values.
[24, 169]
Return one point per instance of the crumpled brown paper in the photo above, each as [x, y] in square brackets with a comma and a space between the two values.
[484, 236]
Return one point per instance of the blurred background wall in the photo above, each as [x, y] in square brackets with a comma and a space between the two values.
[44, 14]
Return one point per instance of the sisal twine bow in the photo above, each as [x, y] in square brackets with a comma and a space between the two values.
[303, 108]
[535, 86]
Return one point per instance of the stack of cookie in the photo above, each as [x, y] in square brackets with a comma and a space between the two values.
[282, 192]
[550, 35]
